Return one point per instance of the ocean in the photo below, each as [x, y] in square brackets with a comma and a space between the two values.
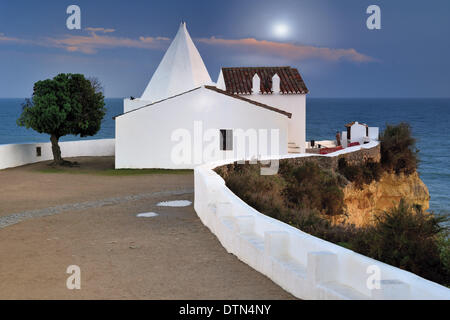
[429, 119]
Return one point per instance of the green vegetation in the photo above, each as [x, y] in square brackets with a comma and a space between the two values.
[66, 104]
[398, 149]
[303, 196]
[444, 250]
[307, 196]
[408, 238]
[295, 187]
[310, 187]
[360, 174]
[398, 154]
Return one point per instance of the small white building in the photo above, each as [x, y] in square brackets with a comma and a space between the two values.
[359, 133]
[282, 87]
[182, 119]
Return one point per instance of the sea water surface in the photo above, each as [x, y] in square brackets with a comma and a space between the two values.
[429, 119]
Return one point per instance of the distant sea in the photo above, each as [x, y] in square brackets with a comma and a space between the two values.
[429, 119]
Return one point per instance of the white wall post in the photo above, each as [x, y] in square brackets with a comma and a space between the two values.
[224, 231]
[244, 224]
[391, 290]
[322, 266]
[276, 243]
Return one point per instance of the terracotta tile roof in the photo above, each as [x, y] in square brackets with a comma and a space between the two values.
[239, 80]
[259, 104]
[352, 123]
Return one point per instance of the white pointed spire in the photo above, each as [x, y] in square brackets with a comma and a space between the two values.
[180, 70]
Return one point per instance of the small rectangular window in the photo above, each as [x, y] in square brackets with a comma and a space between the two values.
[226, 139]
[38, 151]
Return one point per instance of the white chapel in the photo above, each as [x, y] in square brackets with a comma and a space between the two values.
[184, 119]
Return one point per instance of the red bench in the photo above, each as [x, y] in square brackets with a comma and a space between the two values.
[353, 144]
[329, 150]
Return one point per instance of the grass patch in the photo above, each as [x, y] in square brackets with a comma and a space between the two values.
[132, 172]
[115, 172]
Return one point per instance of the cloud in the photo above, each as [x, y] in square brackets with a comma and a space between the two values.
[103, 30]
[96, 39]
[102, 38]
[4, 38]
[288, 50]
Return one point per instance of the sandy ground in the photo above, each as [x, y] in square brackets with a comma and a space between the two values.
[121, 256]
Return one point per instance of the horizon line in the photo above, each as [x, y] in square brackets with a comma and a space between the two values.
[313, 97]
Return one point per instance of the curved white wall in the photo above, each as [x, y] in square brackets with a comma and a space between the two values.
[14, 155]
[305, 266]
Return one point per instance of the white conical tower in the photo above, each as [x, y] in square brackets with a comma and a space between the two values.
[180, 70]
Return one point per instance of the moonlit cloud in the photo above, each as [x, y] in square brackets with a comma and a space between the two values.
[96, 39]
[102, 38]
[102, 30]
[288, 50]
[4, 38]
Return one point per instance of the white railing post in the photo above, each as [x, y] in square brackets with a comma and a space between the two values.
[391, 290]
[322, 266]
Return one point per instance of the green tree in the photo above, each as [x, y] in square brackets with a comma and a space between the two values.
[66, 104]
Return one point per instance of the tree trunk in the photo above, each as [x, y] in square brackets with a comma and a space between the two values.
[56, 150]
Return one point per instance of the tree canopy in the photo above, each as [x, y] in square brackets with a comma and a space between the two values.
[66, 104]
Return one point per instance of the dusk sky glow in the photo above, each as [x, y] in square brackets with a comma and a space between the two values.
[122, 42]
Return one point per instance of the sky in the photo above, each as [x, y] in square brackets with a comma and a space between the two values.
[122, 42]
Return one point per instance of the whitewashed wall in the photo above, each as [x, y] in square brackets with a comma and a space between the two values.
[144, 136]
[129, 104]
[14, 155]
[292, 103]
[305, 266]
[358, 132]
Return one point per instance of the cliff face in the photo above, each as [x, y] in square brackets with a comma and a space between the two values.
[381, 195]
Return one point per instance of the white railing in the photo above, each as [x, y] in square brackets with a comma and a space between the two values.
[305, 266]
[14, 155]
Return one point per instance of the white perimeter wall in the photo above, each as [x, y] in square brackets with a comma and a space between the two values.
[305, 266]
[14, 155]
[144, 136]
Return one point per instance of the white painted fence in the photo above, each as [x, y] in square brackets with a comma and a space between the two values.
[305, 266]
[13, 155]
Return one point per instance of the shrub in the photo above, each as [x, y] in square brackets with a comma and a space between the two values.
[310, 187]
[444, 251]
[261, 192]
[398, 151]
[303, 196]
[360, 174]
[407, 238]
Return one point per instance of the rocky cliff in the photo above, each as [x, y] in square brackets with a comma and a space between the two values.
[381, 195]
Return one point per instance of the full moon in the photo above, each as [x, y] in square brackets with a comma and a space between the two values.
[281, 30]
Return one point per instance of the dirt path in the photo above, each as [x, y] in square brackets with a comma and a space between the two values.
[121, 256]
